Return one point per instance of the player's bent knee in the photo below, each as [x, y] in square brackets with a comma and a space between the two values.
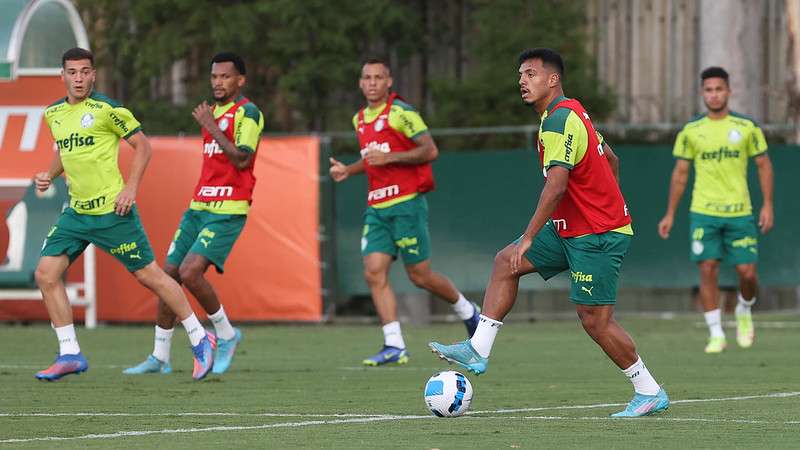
[709, 268]
[502, 262]
[46, 278]
[149, 275]
[420, 280]
[374, 277]
[189, 274]
[748, 274]
[594, 321]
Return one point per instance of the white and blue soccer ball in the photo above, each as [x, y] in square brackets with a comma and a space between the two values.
[448, 394]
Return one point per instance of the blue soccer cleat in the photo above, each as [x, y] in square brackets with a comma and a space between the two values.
[149, 365]
[645, 405]
[225, 350]
[203, 356]
[64, 365]
[472, 322]
[387, 355]
[462, 354]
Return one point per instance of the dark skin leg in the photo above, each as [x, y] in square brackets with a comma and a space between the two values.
[598, 321]
[191, 274]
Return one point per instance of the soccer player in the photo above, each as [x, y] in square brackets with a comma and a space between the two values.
[719, 144]
[581, 224]
[87, 127]
[217, 213]
[396, 154]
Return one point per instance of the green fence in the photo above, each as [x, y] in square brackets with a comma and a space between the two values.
[483, 200]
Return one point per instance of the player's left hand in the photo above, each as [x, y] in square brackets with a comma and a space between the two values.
[766, 219]
[125, 200]
[203, 115]
[519, 252]
[376, 158]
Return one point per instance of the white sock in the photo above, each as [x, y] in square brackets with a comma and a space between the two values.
[714, 322]
[163, 343]
[643, 382]
[195, 331]
[67, 340]
[483, 339]
[392, 336]
[222, 325]
[463, 307]
[743, 306]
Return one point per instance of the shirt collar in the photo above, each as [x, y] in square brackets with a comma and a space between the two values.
[552, 104]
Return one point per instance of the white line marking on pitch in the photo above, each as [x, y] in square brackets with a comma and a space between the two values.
[665, 419]
[218, 428]
[380, 418]
[672, 402]
[186, 414]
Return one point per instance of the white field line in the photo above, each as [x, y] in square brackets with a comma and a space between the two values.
[664, 419]
[607, 405]
[380, 418]
[189, 414]
[355, 415]
[757, 324]
[119, 434]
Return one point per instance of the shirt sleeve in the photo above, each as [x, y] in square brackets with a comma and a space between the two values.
[683, 146]
[248, 127]
[564, 148]
[410, 123]
[122, 123]
[757, 144]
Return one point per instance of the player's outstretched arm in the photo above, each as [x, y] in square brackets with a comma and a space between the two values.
[554, 188]
[613, 160]
[239, 158]
[42, 180]
[677, 184]
[141, 157]
[425, 151]
[766, 219]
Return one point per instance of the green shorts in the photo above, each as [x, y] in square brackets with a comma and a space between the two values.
[731, 239]
[122, 237]
[593, 260]
[399, 228]
[207, 234]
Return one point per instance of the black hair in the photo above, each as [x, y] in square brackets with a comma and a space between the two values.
[714, 72]
[76, 54]
[231, 57]
[378, 61]
[548, 56]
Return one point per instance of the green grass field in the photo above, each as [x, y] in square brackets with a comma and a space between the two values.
[548, 386]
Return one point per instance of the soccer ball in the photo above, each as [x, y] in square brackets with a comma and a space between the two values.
[448, 394]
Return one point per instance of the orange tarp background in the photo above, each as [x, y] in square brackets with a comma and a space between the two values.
[273, 272]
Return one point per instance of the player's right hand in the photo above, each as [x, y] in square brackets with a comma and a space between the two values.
[519, 252]
[338, 170]
[665, 226]
[42, 181]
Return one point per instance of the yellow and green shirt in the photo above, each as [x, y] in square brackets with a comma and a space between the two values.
[720, 150]
[565, 141]
[87, 136]
[248, 123]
